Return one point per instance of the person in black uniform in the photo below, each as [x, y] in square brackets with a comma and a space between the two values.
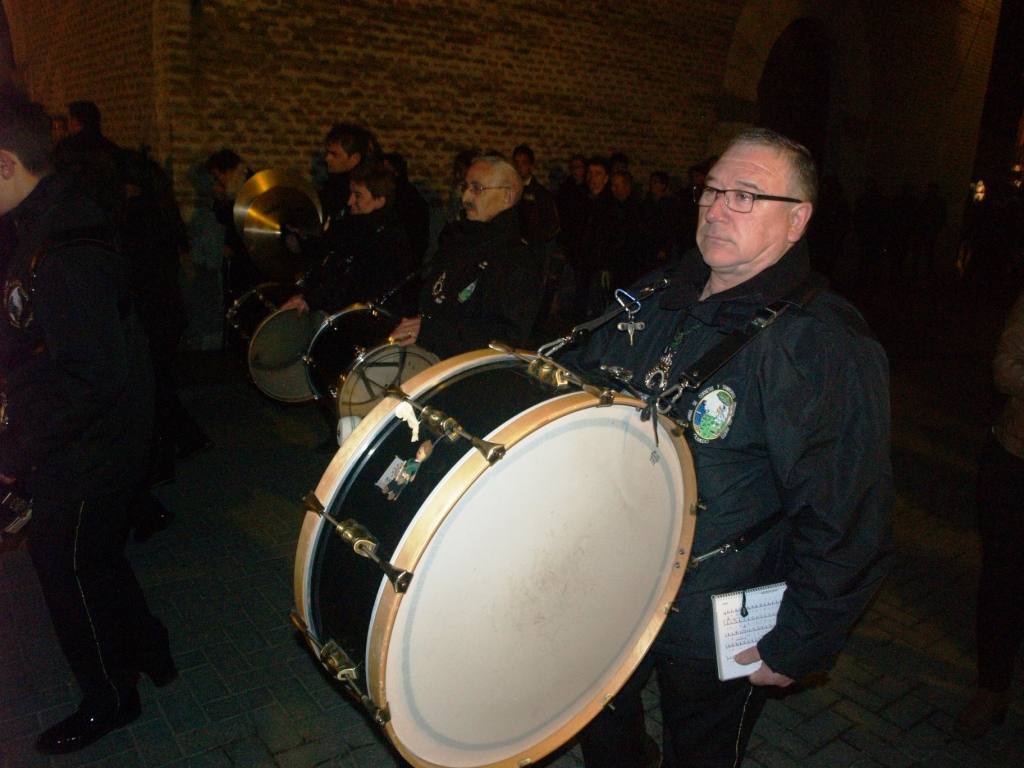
[79, 412]
[373, 257]
[484, 283]
[790, 442]
[346, 147]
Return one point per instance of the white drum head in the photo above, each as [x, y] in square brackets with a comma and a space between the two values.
[540, 590]
[364, 385]
[276, 355]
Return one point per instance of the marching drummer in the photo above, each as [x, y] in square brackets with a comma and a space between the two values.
[372, 258]
[786, 411]
[485, 282]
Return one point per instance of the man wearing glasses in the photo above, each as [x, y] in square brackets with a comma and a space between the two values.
[786, 412]
[484, 283]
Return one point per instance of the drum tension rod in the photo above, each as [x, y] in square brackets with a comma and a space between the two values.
[443, 425]
[343, 669]
[363, 543]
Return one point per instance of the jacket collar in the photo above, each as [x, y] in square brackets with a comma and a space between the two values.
[504, 227]
[38, 201]
[737, 305]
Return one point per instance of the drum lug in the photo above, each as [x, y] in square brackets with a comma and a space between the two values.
[605, 397]
[313, 503]
[443, 425]
[344, 670]
[547, 373]
[364, 544]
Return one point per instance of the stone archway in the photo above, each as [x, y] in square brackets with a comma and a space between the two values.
[794, 89]
[766, 44]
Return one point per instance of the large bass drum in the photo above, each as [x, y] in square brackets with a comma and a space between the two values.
[485, 595]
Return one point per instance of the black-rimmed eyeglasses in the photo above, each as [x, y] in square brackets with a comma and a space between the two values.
[475, 187]
[738, 200]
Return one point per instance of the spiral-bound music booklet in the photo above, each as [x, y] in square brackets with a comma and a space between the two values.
[741, 619]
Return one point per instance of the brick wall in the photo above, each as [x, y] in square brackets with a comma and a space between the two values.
[664, 81]
[101, 50]
[432, 78]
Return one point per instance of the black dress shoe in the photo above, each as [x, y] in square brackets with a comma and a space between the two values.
[88, 724]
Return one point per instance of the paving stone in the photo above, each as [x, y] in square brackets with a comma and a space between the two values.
[770, 756]
[811, 700]
[908, 711]
[375, 756]
[156, 743]
[215, 758]
[313, 753]
[240, 703]
[19, 726]
[849, 668]
[790, 741]
[365, 734]
[923, 742]
[216, 735]
[294, 698]
[41, 700]
[182, 711]
[249, 752]
[204, 683]
[883, 751]
[276, 729]
[851, 690]
[225, 658]
[856, 713]
[21, 753]
[128, 759]
[838, 754]
[781, 713]
[823, 728]
[889, 687]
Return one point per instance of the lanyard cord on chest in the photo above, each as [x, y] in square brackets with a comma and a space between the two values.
[715, 358]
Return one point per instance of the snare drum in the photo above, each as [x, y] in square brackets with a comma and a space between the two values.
[349, 366]
[276, 340]
[363, 386]
[484, 597]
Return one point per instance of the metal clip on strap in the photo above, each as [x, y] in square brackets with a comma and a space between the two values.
[746, 538]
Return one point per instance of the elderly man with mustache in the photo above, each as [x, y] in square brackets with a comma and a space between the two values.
[484, 284]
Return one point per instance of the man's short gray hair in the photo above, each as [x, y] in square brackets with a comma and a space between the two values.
[506, 173]
[800, 159]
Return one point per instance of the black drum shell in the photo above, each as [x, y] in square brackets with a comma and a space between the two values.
[344, 586]
[339, 341]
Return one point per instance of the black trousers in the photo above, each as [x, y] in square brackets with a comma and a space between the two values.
[1000, 622]
[706, 723]
[97, 607]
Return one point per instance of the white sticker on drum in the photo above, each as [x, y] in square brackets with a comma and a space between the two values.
[400, 473]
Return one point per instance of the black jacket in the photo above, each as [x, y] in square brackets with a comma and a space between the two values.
[538, 215]
[373, 257]
[809, 437]
[72, 351]
[483, 285]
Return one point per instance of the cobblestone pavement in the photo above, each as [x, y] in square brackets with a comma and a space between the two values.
[251, 695]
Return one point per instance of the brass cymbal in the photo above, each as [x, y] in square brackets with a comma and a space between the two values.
[270, 202]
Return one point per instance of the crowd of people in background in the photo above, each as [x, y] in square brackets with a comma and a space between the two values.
[594, 224]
